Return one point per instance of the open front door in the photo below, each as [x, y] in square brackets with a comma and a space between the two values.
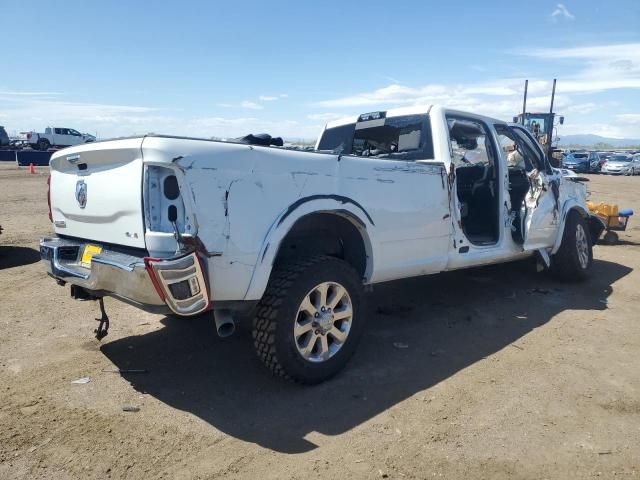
[539, 214]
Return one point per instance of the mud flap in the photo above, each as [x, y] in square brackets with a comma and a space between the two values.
[596, 227]
[543, 260]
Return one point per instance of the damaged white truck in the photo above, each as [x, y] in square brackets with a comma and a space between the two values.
[185, 226]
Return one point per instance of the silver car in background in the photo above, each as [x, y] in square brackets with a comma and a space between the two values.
[622, 164]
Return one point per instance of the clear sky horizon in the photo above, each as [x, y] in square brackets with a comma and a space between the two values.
[227, 68]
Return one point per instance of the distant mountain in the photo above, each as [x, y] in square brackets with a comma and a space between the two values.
[588, 140]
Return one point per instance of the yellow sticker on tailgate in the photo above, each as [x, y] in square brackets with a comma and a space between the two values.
[89, 252]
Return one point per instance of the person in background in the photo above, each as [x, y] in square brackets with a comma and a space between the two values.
[514, 158]
[535, 126]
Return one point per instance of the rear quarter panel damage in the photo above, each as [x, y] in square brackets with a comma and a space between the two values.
[242, 196]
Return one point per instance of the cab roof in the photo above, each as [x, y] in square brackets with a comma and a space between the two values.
[414, 110]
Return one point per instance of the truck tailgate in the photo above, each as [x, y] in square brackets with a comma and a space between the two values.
[96, 192]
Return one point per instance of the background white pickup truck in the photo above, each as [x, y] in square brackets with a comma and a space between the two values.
[184, 226]
[56, 137]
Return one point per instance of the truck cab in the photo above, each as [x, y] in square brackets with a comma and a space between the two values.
[505, 196]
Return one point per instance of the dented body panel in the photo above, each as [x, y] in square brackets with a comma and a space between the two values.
[244, 199]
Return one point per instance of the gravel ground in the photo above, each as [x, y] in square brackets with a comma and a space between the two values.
[490, 373]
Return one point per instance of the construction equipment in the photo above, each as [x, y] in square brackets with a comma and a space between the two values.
[542, 125]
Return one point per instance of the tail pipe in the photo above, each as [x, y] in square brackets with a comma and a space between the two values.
[225, 326]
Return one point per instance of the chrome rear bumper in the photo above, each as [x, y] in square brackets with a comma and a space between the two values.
[158, 285]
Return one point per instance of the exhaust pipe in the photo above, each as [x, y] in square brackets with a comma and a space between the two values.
[225, 326]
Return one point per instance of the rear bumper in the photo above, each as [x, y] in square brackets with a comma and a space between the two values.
[175, 285]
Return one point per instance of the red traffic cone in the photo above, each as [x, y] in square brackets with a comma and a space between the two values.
[31, 168]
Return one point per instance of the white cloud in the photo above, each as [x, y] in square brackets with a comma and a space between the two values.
[251, 105]
[630, 118]
[624, 50]
[325, 117]
[581, 108]
[14, 93]
[24, 113]
[604, 67]
[561, 12]
[594, 69]
[244, 104]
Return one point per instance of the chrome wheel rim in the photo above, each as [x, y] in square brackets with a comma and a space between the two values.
[323, 322]
[582, 246]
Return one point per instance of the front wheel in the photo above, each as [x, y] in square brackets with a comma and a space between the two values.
[573, 259]
[310, 319]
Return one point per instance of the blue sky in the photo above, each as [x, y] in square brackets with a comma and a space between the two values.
[229, 68]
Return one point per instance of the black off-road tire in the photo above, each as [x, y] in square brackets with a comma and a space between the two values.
[276, 314]
[43, 144]
[566, 264]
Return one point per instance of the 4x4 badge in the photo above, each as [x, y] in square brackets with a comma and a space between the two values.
[81, 193]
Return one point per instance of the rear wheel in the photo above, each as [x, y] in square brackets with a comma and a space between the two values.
[43, 144]
[573, 259]
[310, 320]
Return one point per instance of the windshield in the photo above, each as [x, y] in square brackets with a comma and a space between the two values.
[405, 137]
[580, 155]
[619, 158]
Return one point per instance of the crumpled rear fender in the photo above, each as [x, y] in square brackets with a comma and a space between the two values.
[285, 222]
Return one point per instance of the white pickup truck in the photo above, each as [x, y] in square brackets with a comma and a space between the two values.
[185, 226]
[55, 137]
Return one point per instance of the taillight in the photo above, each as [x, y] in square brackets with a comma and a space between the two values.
[49, 197]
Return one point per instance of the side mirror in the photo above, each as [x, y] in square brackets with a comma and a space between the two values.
[561, 120]
[515, 119]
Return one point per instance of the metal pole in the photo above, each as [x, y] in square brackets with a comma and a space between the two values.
[550, 134]
[524, 103]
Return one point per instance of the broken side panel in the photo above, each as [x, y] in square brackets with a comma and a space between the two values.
[541, 214]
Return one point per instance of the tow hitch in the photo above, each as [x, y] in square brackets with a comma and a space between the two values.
[80, 293]
[103, 327]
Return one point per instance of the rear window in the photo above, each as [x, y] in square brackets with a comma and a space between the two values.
[337, 139]
[406, 137]
[581, 155]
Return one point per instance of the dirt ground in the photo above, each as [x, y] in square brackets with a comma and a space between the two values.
[492, 373]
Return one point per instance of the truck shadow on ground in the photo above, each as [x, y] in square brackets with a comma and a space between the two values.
[11, 256]
[420, 331]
